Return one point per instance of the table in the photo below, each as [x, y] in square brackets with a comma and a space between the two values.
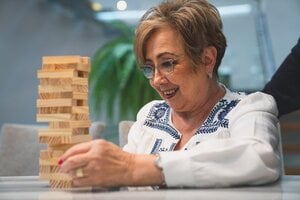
[30, 187]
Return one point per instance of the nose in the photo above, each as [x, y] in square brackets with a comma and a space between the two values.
[158, 78]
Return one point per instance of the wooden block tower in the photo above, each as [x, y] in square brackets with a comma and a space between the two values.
[63, 102]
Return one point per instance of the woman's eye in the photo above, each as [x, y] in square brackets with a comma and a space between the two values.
[167, 64]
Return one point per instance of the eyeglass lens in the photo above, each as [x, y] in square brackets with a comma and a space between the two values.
[165, 67]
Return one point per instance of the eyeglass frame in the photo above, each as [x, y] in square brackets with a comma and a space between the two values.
[159, 67]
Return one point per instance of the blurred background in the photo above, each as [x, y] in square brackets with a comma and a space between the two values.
[260, 34]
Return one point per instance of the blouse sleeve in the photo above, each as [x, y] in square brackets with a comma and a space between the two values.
[250, 156]
[136, 133]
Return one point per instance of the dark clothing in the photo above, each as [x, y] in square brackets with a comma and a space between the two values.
[285, 83]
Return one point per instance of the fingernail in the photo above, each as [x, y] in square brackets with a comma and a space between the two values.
[60, 162]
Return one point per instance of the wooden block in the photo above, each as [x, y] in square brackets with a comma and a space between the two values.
[59, 66]
[46, 169]
[49, 162]
[64, 110]
[62, 88]
[85, 67]
[54, 110]
[59, 125]
[55, 95]
[53, 117]
[80, 109]
[59, 147]
[80, 124]
[80, 131]
[55, 132]
[64, 81]
[56, 89]
[47, 154]
[56, 81]
[62, 59]
[66, 73]
[61, 117]
[81, 102]
[67, 131]
[80, 117]
[60, 183]
[67, 186]
[82, 74]
[81, 95]
[55, 102]
[70, 124]
[55, 176]
[64, 139]
[84, 62]
[79, 81]
[63, 95]
[82, 70]
[63, 132]
[80, 88]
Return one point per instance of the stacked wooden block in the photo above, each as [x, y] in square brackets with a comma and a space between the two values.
[63, 103]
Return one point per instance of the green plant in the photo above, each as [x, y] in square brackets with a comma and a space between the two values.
[115, 80]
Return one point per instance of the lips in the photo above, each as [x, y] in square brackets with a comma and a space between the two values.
[169, 93]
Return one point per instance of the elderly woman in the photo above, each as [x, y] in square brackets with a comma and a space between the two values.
[201, 134]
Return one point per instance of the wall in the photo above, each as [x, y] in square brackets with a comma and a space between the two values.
[284, 25]
[29, 30]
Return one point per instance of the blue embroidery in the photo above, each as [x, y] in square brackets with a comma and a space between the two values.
[172, 147]
[158, 118]
[159, 114]
[216, 118]
[163, 149]
[156, 146]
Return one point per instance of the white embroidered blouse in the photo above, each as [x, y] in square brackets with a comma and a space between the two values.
[238, 143]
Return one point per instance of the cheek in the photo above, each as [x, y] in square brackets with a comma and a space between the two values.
[152, 85]
[193, 85]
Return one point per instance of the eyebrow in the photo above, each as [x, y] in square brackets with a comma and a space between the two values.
[162, 54]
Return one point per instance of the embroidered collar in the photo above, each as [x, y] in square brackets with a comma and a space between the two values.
[159, 116]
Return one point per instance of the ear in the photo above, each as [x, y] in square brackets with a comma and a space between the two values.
[209, 57]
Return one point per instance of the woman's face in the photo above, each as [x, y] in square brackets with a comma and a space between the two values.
[185, 89]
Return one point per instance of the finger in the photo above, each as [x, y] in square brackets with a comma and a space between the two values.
[82, 182]
[78, 173]
[76, 149]
[74, 162]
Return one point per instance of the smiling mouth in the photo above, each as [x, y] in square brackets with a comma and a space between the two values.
[169, 93]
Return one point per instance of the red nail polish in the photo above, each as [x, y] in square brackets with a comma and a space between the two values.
[60, 162]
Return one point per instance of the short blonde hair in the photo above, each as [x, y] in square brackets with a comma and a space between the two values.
[197, 22]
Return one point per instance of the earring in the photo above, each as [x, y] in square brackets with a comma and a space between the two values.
[210, 75]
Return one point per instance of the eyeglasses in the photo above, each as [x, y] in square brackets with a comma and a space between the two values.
[165, 67]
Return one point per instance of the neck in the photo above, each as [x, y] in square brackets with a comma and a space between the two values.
[192, 120]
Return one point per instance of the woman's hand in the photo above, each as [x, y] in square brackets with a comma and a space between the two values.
[103, 164]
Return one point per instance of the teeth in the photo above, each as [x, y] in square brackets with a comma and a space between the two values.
[169, 92]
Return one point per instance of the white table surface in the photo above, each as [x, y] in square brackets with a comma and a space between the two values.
[30, 187]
